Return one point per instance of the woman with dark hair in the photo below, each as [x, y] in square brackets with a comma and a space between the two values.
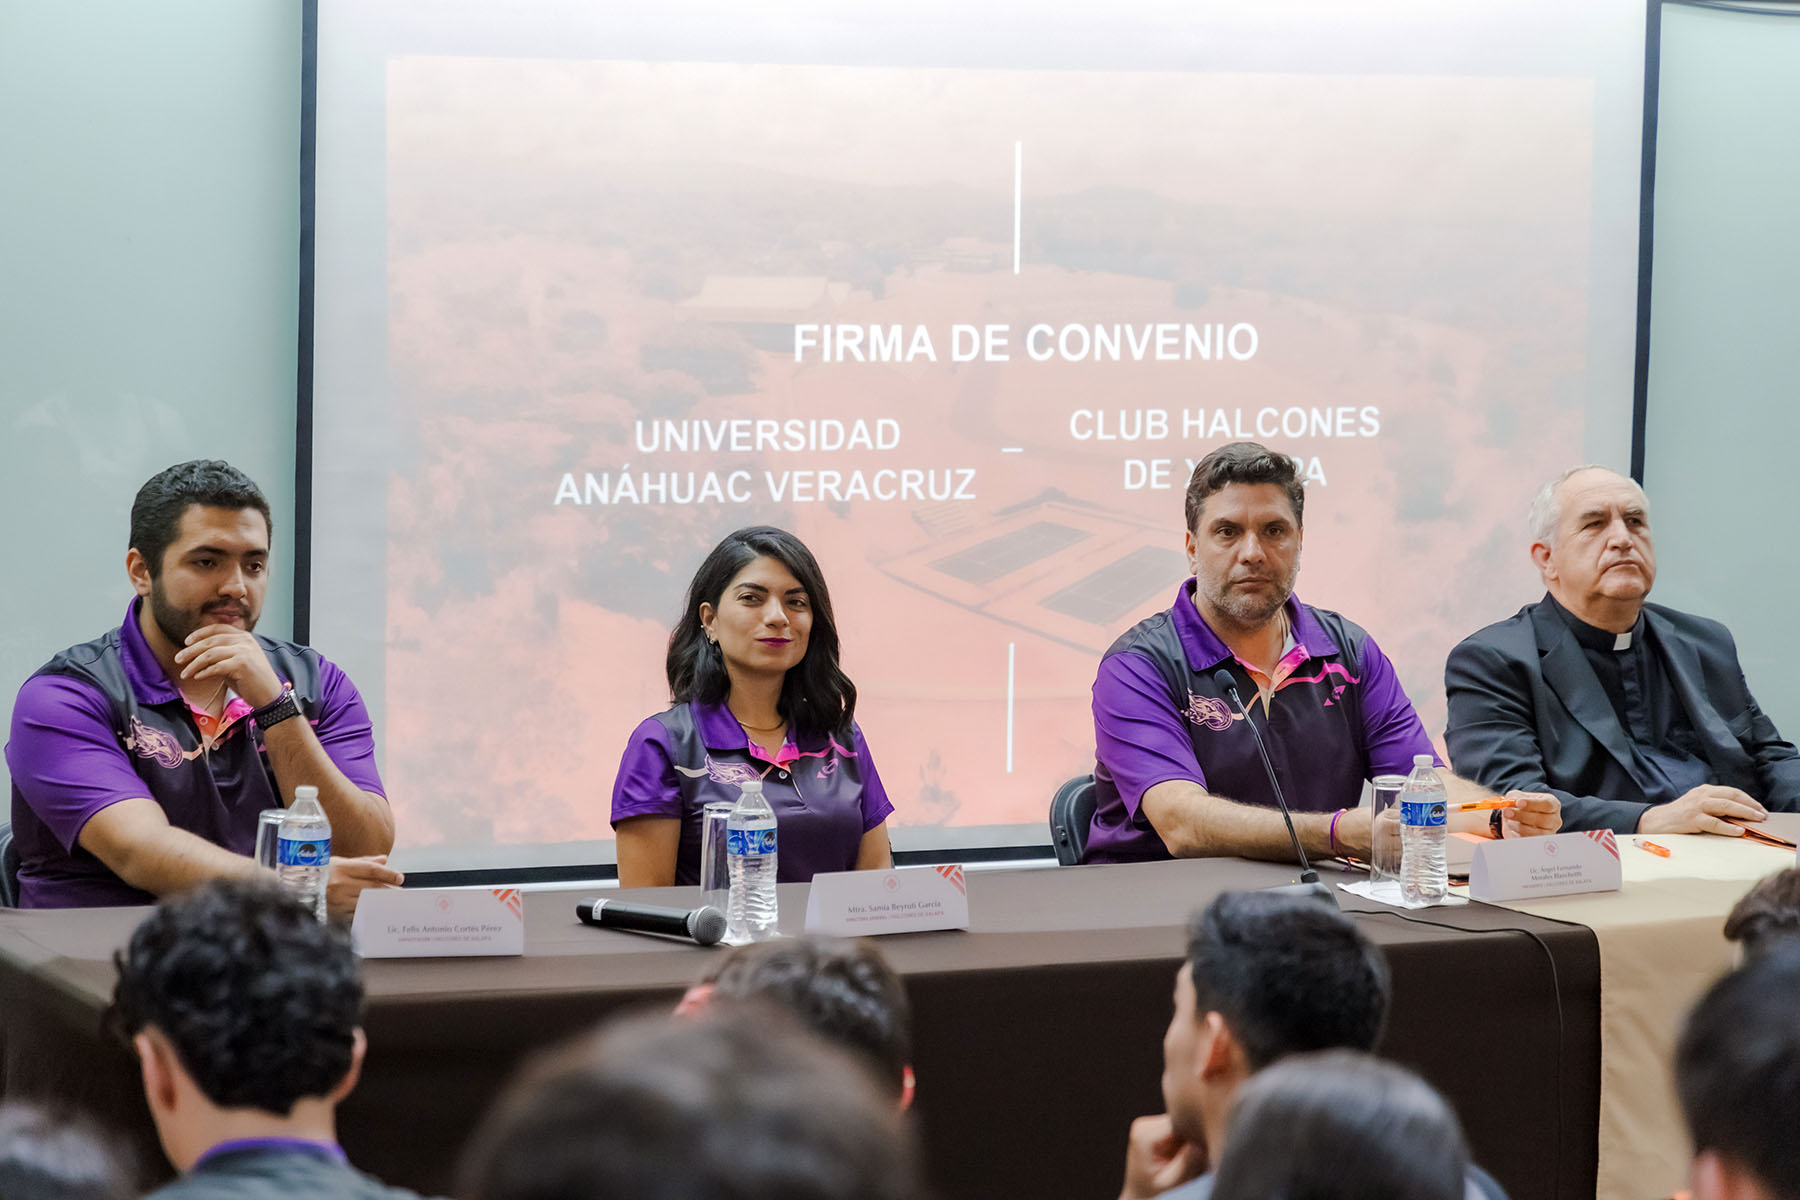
[753, 670]
[1342, 1125]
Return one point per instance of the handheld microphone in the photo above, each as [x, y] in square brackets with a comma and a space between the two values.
[704, 925]
[1309, 884]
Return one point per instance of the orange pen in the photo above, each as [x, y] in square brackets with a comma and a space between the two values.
[1480, 805]
[1652, 847]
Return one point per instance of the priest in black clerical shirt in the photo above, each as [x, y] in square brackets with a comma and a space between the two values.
[1635, 715]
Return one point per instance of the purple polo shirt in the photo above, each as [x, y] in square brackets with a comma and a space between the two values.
[1158, 716]
[328, 1151]
[826, 796]
[76, 750]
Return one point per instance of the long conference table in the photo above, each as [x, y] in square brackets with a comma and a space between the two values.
[1038, 1032]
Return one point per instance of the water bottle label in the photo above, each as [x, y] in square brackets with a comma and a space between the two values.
[303, 852]
[749, 841]
[1422, 813]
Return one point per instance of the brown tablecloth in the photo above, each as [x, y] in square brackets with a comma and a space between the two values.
[1038, 1033]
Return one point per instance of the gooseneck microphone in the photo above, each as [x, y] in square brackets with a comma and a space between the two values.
[704, 925]
[1309, 879]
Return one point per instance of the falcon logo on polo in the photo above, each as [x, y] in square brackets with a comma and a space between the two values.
[1210, 712]
[722, 772]
[159, 747]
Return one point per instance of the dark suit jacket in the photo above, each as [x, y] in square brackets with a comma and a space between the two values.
[1528, 712]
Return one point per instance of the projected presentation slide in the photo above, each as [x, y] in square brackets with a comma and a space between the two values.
[958, 302]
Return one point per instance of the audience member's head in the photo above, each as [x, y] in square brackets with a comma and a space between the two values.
[1267, 976]
[50, 1155]
[1341, 1125]
[1768, 913]
[739, 1103]
[1737, 1068]
[245, 1012]
[1288, 974]
[844, 991]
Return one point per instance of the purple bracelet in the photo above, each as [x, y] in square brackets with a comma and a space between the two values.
[1335, 818]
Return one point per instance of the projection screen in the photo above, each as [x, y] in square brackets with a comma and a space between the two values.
[957, 293]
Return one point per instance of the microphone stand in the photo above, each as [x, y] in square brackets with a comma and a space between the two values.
[1309, 884]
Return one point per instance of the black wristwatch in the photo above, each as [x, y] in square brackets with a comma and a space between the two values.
[1497, 824]
[276, 711]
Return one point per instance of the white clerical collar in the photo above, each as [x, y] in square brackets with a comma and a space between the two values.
[1623, 641]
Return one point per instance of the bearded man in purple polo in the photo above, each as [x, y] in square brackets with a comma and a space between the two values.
[1176, 772]
[140, 760]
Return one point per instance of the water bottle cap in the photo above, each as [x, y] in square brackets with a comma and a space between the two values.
[305, 792]
[752, 785]
[1424, 760]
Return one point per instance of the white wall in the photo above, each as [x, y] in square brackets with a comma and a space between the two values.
[149, 232]
[1724, 414]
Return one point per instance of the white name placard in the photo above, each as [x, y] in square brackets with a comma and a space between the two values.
[903, 900]
[438, 922]
[1532, 868]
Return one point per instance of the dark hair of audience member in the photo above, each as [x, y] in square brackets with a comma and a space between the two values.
[1341, 1125]
[1769, 912]
[1289, 974]
[49, 1154]
[1243, 462]
[844, 991]
[738, 1103]
[260, 1000]
[817, 698]
[157, 510]
[1737, 1069]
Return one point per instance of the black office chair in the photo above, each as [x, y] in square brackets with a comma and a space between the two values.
[1071, 812]
[9, 868]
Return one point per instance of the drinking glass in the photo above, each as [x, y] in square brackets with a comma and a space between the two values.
[715, 869]
[268, 833]
[1384, 828]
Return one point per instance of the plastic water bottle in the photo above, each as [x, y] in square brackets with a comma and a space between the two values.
[303, 851]
[1424, 871]
[750, 856]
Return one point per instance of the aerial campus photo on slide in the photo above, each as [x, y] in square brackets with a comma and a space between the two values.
[964, 330]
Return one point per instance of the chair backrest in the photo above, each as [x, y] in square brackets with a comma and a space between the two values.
[9, 868]
[1071, 812]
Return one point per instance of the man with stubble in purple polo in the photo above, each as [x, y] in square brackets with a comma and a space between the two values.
[141, 759]
[1177, 774]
